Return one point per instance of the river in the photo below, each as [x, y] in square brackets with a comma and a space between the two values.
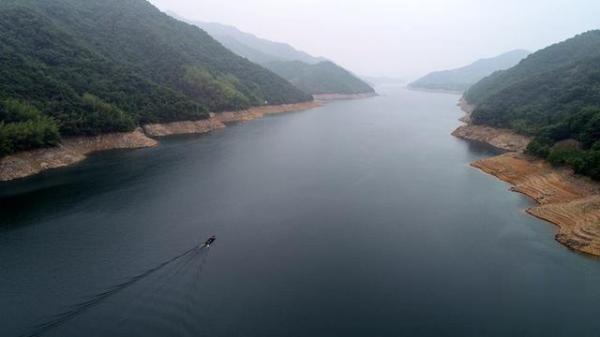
[359, 218]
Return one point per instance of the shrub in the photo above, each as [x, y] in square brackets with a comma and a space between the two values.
[20, 136]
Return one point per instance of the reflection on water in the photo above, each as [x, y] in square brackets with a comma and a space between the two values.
[161, 300]
[482, 149]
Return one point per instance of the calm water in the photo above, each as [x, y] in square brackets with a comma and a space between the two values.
[361, 218]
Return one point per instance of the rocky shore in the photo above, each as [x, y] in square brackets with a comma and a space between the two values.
[219, 120]
[260, 112]
[502, 139]
[69, 152]
[565, 199]
[75, 149]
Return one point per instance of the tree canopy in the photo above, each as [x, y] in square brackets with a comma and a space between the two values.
[554, 96]
[321, 78]
[91, 67]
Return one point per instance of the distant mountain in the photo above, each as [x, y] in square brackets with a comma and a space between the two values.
[552, 95]
[74, 67]
[313, 75]
[462, 78]
[321, 78]
[254, 48]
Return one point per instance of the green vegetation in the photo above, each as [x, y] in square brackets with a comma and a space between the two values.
[312, 75]
[103, 116]
[554, 96]
[23, 127]
[255, 49]
[90, 67]
[581, 132]
[461, 79]
[321, 78]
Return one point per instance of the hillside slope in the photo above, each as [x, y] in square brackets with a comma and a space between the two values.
[321, 78]
[552, 95]
[246, 44]
[313, 75]
[71, 67]
[462, 78]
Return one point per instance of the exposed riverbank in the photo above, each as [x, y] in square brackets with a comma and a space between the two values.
[434, 244]
[502, 139]
[565, 199]
[69, 152]
[219, 120]
[75, 149]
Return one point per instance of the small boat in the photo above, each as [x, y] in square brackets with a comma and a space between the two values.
[209, 241]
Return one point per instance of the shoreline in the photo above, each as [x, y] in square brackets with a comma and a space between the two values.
[324, 98]
[501, 139]
[569, 201]
[73, 150]
[436, 91]
[220, 120]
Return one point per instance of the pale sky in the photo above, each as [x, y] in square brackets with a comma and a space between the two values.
[400, 38]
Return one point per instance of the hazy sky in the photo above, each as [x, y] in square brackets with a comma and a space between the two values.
[401, 38]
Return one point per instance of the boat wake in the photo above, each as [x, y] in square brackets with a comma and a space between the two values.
[176, 265]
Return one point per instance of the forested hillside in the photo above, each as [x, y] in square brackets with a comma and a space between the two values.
[462, 78]
[311, 74]
[252, 47]
[321, 78]
[553, 95]
[72, 67]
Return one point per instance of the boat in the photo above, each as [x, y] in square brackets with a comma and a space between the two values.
[209, 241]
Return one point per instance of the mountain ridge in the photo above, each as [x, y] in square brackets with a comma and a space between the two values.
[239, 42]
[460, 79]
[313, 75]
[551, 96]
[321, 78]
[72, 67]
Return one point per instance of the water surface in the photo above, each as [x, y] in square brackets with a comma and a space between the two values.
[360, 218]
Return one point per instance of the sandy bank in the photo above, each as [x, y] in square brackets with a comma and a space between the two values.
[259, 112]
[71, 151]
[565, 199]
[218, 120]
[184, 127]
[74, 150]
[502, 139]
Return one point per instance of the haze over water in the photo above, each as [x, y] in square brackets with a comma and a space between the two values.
[360, 218]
